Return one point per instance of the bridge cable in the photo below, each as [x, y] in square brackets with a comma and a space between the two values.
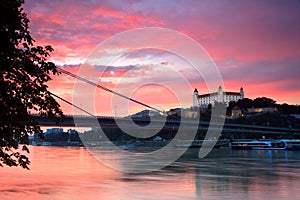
[72, 104]
[104, 88]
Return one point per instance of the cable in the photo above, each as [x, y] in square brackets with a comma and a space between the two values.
[104, 88]
[71, 104]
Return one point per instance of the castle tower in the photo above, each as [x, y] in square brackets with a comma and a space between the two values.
[220, 90]
[242, 93]
[195, 98]
[220, 94]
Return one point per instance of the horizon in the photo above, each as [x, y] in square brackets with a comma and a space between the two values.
[255, 45]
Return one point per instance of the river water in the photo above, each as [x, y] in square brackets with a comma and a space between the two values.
[73, 173]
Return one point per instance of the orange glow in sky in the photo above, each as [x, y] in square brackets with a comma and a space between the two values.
[255, 44]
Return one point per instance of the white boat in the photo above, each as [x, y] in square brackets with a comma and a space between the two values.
[292, 144]
[199, 143]
[282, 144]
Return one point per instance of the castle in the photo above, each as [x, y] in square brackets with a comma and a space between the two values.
[203, 100]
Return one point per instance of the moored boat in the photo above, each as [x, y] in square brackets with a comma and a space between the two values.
[258, 145]
[282, 144]
[292, 144]
[200, 143]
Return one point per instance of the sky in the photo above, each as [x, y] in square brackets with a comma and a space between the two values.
[255, 44]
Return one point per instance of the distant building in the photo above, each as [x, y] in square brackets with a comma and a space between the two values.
[186, 113]
[53, 130]
[203, 100]
[261, 110]
[145, 114]
[236, 112]
[191, 114]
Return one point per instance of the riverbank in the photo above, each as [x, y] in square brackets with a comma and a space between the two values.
[153, 145]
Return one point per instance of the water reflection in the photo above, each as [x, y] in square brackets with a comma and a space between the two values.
[72, 173]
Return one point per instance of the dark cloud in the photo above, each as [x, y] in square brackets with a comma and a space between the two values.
[286, 72]
[252, 41]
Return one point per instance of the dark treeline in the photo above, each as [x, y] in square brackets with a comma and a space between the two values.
[264, 102]
[280, 117]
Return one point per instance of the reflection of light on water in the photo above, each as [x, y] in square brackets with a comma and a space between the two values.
[286, 156]
[72, 173]
[269, 154]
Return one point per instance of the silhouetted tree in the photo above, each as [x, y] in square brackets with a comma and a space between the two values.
[263, 102]
[23, 74]
[245, 103]
[286, 109]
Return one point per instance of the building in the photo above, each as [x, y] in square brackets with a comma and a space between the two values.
[262, 110]
[203, 100]
[54, 130]
[146, 114]
[236, 112]
[185, 113]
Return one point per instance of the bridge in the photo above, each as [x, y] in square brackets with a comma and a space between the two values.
[172, 124]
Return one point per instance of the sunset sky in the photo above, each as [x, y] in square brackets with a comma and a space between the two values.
[254, 43]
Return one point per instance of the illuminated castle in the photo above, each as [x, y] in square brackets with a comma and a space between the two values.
[203, 100]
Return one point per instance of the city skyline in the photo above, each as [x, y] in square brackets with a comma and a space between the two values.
[255, 45]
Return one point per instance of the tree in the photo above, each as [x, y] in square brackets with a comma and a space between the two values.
[24, 72]
[245, 103]
[263, 102]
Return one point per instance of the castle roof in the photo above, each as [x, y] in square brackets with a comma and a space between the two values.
[232, 93]
[207, 95]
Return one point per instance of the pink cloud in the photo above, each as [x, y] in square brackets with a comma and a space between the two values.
[254, 43]
[57, 19]
[106, 12]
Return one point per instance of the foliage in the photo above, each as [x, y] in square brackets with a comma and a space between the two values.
[263, 102]
[244, 104]
[23, 74]
[286, 109]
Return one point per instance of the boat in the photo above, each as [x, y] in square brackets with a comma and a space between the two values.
[200, 143]
[292, 144]
[282, 144]
[258, 145]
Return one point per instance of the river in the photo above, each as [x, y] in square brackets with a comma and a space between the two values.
[61, 173]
